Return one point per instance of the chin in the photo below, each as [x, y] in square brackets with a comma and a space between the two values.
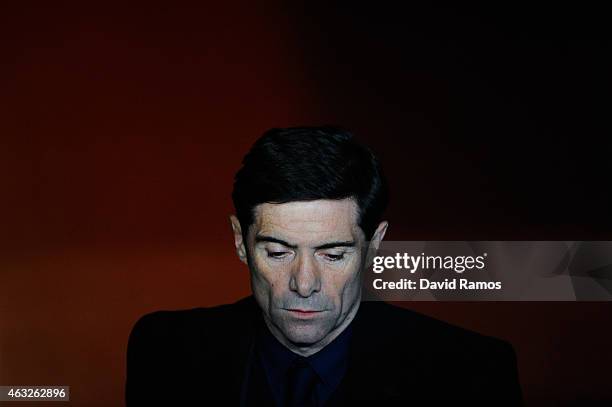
[305, 335]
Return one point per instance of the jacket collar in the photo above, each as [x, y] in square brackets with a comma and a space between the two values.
[371, 375]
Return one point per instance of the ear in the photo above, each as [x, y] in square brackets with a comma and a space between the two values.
[377, 238]
[238, 240]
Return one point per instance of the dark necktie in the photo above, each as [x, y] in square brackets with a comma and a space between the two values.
[302, 380]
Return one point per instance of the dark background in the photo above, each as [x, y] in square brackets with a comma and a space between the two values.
[121, 128]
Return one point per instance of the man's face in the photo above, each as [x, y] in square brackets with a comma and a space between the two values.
[305, 260]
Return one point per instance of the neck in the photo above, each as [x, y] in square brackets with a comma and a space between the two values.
[311, 349]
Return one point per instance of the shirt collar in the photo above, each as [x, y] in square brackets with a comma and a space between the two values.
[330, 363]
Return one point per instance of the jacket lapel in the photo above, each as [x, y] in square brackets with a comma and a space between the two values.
[380, 372]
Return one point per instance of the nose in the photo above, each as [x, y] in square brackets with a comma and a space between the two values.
[305, 277]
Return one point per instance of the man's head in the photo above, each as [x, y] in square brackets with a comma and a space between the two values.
[309, 203]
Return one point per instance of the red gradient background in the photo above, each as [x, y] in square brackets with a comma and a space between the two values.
[120, 132]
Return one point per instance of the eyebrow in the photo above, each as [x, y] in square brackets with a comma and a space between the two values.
[264, 238]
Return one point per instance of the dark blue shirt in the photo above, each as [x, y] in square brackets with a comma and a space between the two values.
[330, 364]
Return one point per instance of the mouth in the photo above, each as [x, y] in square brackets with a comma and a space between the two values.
[303, 313]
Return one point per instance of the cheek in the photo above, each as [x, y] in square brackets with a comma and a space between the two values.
[342, 282]
[267, 278]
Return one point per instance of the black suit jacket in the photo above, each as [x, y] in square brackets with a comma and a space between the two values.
[201, 356]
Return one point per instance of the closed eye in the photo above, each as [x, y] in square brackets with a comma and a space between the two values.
[277, 255]
[334, 257]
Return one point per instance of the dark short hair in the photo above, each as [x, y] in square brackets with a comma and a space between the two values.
[310, 163]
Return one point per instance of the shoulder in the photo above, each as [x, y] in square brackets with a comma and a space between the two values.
[403, 327]
[188, 316]
[192, 325]
[477, 368]
[167, 350]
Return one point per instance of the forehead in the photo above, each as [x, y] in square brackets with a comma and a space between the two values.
[308, 222]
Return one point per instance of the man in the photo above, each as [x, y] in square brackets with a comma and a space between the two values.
[309, 203]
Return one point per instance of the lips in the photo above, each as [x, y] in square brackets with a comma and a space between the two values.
[303, 312]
